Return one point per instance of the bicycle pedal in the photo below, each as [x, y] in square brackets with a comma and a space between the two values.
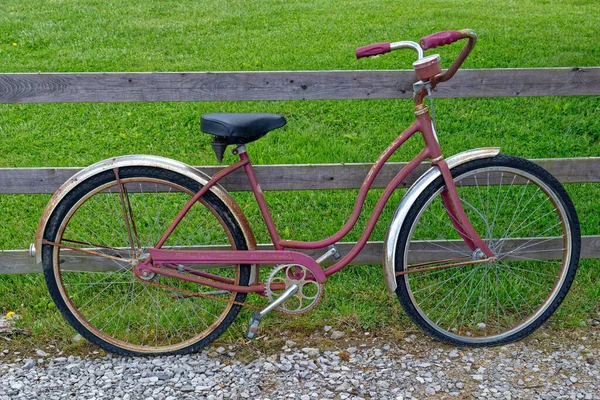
[336, 253]
[331, 252]
[253, 327]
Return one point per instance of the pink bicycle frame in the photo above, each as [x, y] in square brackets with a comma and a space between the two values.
[165, 257]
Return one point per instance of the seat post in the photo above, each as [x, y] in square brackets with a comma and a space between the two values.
[239, 150]
[219, 145]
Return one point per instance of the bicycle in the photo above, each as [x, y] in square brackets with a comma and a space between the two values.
[145, 255]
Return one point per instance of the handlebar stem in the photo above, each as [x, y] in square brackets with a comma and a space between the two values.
[405, 44]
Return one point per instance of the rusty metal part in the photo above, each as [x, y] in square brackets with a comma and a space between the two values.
[416, 268]
[124, 207]
[190, 293]
[389, 251]
[90, 252]
[419, 96]
[145, 161]
[421, 109]
[449, 73]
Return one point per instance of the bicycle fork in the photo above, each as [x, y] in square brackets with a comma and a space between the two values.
[459, 218]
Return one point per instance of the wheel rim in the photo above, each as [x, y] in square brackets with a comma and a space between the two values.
[488, 302]
[115, 305]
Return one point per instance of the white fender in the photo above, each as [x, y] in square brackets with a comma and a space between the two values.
[389, 248]
[145, 161]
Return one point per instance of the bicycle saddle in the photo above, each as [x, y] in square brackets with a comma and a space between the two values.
[240, 128]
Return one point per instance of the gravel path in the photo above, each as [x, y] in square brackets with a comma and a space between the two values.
[545, 367]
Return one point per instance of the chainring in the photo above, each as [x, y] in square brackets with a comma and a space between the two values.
[309, 292]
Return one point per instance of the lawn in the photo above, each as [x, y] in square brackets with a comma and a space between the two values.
[53, 36]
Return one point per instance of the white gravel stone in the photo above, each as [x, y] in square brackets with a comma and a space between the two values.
[403, 371]
[41, 353]
[77, 338]
[311, 351]
[336, 335]
[383, 385]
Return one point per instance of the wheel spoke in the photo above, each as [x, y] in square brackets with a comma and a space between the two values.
[119, 216]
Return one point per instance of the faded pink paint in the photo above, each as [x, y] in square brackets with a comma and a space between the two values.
[168, 258]
[362, 194]
[217, 177]
[260, 199]
[165, 257]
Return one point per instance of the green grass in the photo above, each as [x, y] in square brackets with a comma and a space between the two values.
[53, 36]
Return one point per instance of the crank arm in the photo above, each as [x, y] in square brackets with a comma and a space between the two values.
[257, 316]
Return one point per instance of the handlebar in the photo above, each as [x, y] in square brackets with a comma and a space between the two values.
[382, 48]
[428, 42]
[373, 50]
[440, 39]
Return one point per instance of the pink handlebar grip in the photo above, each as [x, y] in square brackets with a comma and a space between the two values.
[373, 50]
[440, 39]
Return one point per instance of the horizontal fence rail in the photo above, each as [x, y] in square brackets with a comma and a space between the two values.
[19, 261]
[82, 87]
[294, 177]
[288, 177]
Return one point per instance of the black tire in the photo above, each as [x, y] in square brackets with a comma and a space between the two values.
[489, 304]
[108, 307]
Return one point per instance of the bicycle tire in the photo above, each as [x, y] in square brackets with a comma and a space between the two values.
[106, 303]
[437, 300]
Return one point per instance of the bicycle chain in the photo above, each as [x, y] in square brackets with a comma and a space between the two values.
[208, 296]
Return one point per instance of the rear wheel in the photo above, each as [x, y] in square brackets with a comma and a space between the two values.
[116, 221]
[525, 217]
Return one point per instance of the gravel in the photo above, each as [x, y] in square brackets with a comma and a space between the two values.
[547, 367]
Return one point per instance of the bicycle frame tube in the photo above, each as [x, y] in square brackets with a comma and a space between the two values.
[216, 178]
[362, 194]
[432, 151]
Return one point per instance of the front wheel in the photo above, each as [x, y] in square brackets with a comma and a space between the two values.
[525, 217]
[104, 226]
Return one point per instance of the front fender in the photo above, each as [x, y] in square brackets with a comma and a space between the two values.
[146, 161]
[391, 240]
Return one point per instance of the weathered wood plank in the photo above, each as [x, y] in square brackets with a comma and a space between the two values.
[287, 85]
[293, 177]
[19, 262]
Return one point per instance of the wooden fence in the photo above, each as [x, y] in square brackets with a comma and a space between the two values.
[291, 85]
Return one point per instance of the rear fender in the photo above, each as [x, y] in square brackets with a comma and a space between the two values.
[145, 161]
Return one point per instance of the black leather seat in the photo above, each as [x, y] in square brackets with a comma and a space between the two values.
[240, 128]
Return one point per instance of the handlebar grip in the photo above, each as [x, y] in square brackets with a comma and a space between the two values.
[440, 39]
[373, 50]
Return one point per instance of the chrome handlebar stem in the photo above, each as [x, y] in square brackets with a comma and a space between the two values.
[405, 44]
